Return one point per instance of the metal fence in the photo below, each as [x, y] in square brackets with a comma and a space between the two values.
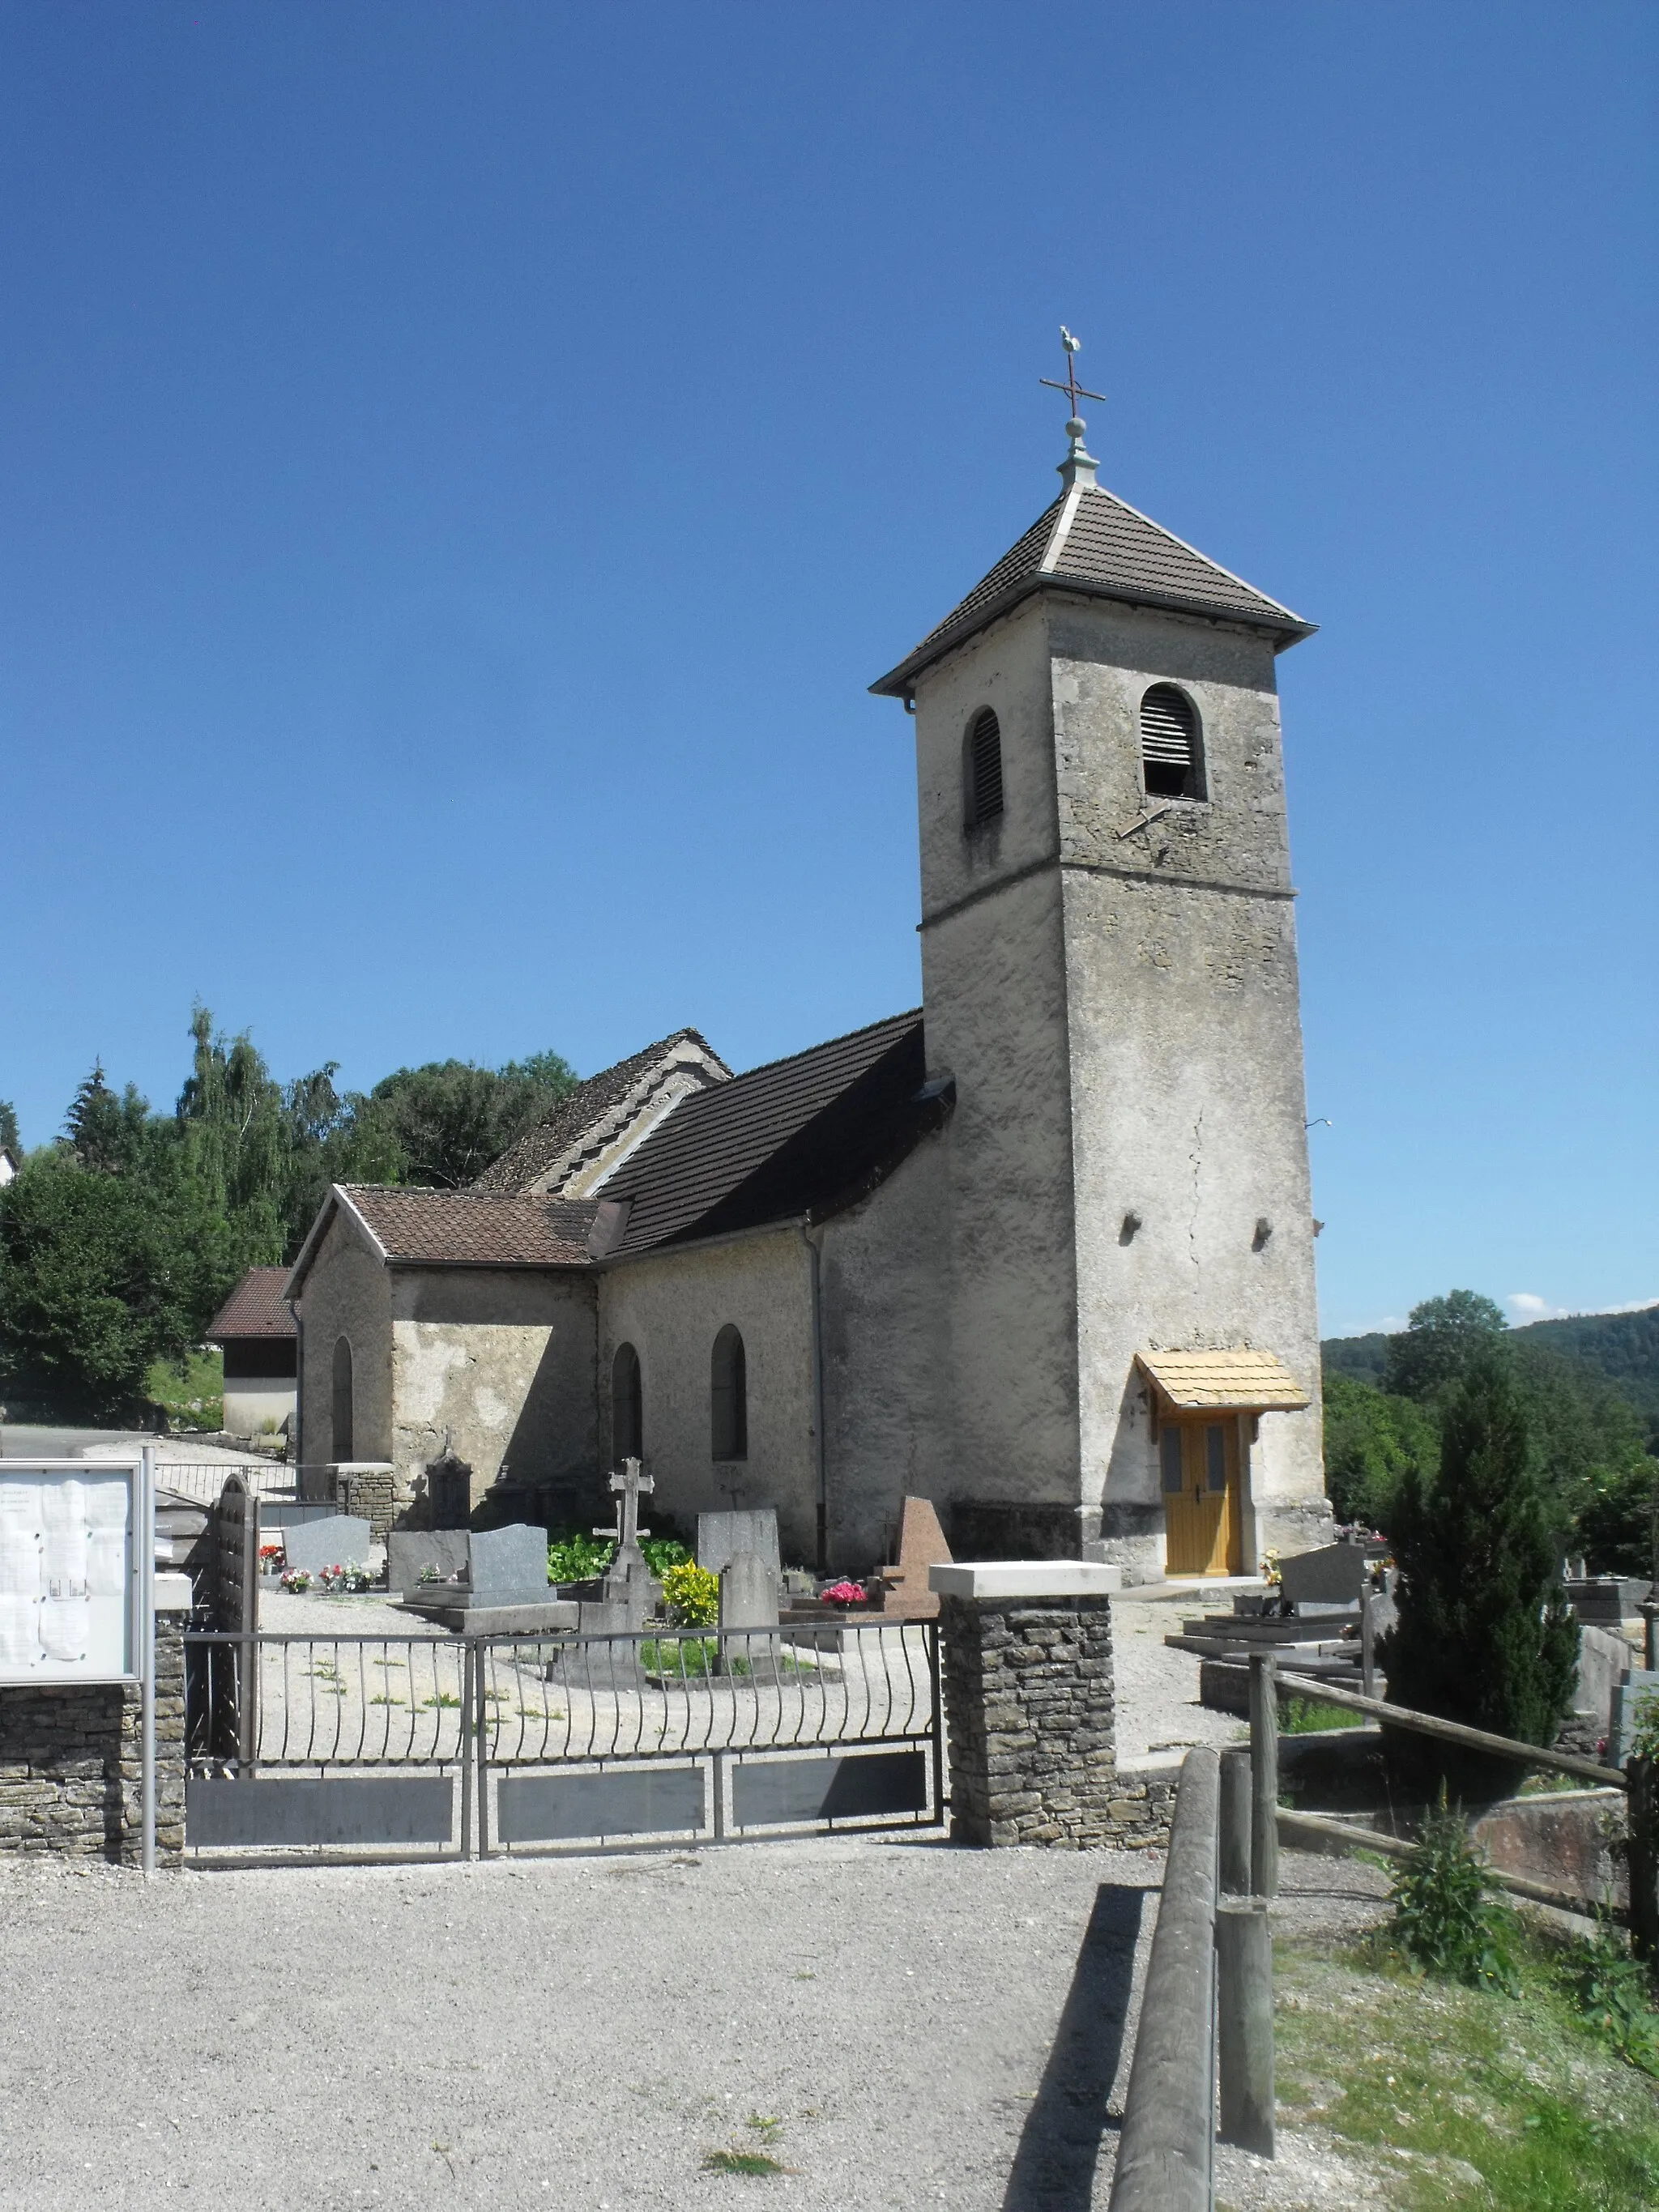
[545, 1741]
[202, 1480]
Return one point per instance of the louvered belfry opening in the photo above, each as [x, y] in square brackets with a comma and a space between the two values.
[1168, 745]
[984, 766]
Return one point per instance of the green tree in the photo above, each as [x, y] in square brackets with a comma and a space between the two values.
[1371, 1442]
[1483, 1635]
[100, 1273]
[9, 1140]
[1445, 1336]
[450, 1119]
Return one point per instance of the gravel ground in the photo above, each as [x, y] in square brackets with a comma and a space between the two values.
[926, 2026]
[1157, 1707]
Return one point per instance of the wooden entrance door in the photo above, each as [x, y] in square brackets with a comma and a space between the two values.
[1203, 1524]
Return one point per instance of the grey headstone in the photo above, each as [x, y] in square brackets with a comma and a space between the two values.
[509, 1564]
[630, 1586]
[721, 1536]
[407, 1551]
[342, 1541]
[1331, 1576]
[749, 1593]
[1628, 1697]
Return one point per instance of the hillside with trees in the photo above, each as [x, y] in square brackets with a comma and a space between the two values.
[120, 1238]
[1585, 1388]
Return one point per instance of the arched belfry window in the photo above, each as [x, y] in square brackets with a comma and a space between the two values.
[626, 1406]
[1172, 753]
[982, 769]
[342, 1406]
[728, 1397]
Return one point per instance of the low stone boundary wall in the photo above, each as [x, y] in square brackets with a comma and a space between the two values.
[1028, 1701]
[71, 1766]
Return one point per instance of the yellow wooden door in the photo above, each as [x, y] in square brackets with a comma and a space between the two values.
[1202, 1522]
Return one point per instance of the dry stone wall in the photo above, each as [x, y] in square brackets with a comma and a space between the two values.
[1030, 1707]
[69, 1764]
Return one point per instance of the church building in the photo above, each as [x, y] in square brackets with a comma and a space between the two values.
[1040, 1250]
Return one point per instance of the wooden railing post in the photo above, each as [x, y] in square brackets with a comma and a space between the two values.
[1244, 2022]
[1264, 1775]
[1643, 1828]
[1236, 1823]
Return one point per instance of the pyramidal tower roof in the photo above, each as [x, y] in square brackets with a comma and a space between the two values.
[1093, 544]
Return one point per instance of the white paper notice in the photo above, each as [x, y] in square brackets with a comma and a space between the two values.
[63, 1626]
[19, 1561]
[18, 1646]
[64, 1561]
[106, 1563]
[19, 1502]
[63, 1506]
[105, 1504]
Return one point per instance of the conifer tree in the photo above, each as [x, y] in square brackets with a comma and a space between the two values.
[1485, 1634]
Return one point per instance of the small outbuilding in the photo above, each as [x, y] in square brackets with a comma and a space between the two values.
[256, 1332]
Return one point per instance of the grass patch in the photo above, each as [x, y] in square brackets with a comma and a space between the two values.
[1308, 1716]
[443, 1697]
[1520, 2088]
[388, 1701]
[190, 1394]
[741, 2161]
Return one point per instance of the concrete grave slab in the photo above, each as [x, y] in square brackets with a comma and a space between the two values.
[340, 1540]
[509, 1565]
[749, 1593]
[1333, 1575]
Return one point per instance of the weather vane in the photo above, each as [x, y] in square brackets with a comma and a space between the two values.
[1071, 388]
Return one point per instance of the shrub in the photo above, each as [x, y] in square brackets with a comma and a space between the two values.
[692, 1595]
[1445, 1921]
[662, 1553]
[1614, 1997]
[1485, 1634]
[574, 1558]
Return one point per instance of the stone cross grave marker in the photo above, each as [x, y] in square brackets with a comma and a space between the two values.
[627, 1581]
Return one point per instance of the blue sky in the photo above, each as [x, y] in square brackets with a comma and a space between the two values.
[461, 466]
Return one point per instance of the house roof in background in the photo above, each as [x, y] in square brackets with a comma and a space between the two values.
[797, 1136]
[1246, 1381]
[590, 1104]
[257, 1307]
[1091, 542]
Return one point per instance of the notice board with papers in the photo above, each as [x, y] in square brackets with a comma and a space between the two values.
[69, 1582]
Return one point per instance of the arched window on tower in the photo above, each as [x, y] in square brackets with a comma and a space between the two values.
[342, 1403]
[728, 1397]
[982, 769]
[1171, 752]
[626, 1406]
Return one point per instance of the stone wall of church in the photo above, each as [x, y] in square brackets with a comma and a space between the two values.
[1185, 1043]
[500, 1360]
[345, 1295]
[886, 1333]
[994, 980]
[669, 1306]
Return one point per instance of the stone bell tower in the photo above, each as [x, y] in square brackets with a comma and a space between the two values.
[1109, 973]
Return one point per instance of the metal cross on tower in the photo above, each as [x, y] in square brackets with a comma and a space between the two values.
[1071, 388]
[626, 1484]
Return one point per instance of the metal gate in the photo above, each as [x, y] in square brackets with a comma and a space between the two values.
[449, 1746]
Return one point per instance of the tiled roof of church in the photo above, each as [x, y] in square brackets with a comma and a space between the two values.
[1091, 542]
[800, 1135]
[414, 1227]
[539, 1148]
[255, 1307]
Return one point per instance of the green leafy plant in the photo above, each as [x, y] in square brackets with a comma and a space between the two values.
[573, 1558]
[1644, 1734]
[1445, 1922]
[741, 2161]
[1615, 1997]
[692, 1595]
[662, 1553]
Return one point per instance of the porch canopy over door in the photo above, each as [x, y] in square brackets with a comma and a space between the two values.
[1202, 1403]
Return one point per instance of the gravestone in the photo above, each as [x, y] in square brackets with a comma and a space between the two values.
[508, 1566]
[721, 1536]
[629, 1593]
[749, 1602]
[409, 1551]
[340, 1540]
[1332, 1575]
[1628, 1699]
[449, 1491]
[1604, 1659]
[921, 1546]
